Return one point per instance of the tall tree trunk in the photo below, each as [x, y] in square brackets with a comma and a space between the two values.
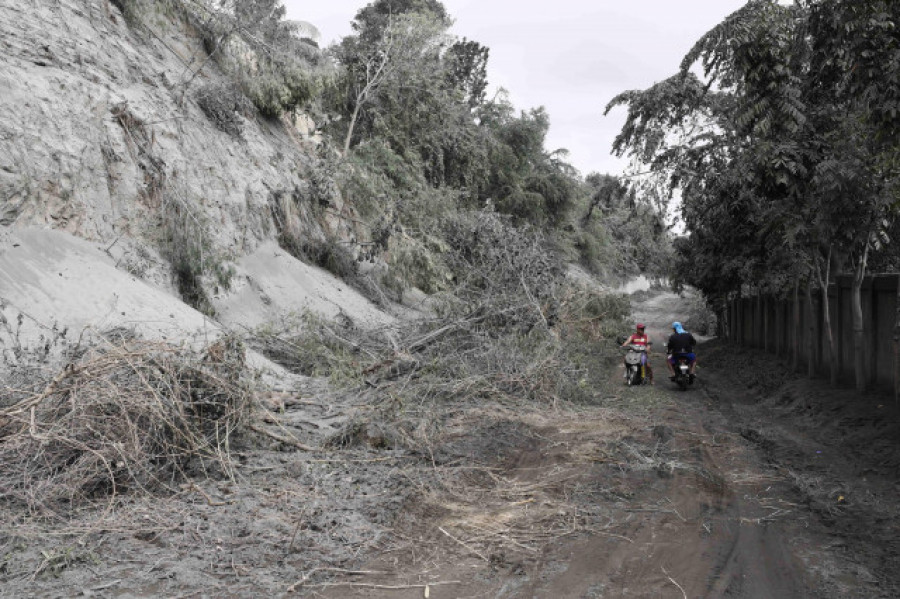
[757, 320]
[731, 319]
[824, 280]
[872, 326]
[353, 118]
[777, 328]
[720, 317]
[859, 337]
[746, 317]
[795, 328]
[812, 364]
[831, 342]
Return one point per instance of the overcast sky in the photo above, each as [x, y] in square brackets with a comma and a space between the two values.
[570, 56]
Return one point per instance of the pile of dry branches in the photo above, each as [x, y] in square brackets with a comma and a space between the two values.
[510, 328]
[133, 415]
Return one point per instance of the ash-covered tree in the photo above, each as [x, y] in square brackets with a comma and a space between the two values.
[466, 71]
[788, 146]
[403, 55]
[526, 181]
[412, 88]
[405, 87]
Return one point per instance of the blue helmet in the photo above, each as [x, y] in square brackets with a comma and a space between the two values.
[677, 326]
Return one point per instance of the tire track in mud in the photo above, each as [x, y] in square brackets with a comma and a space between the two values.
[827, 445]
[749, 551]
[694, 500]
[739, 543]
[695, 532]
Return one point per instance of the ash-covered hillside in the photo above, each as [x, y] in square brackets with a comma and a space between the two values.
[136, 165]
[213, 152]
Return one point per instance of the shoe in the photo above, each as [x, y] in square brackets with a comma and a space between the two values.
[691, 379]
[672, 378]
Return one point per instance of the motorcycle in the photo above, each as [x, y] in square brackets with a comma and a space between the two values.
[682, 368]
[635, 365]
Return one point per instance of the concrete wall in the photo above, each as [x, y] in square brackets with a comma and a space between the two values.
[770, 324]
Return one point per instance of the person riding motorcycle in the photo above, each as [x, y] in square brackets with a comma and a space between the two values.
[641, 339]
[681, 343]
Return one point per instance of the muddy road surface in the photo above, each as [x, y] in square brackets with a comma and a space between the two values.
[754, 483]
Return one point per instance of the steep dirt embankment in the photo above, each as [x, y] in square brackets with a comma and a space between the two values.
[103, 141]
[96, 115]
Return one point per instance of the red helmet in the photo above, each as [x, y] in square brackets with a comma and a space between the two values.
[639, 325]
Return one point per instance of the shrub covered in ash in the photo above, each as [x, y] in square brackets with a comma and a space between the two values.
[329, 253]
[224, 104]
[508, 273]
[188, 245]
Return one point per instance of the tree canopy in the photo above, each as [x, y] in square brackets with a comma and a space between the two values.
[410, 85]
[786, 156]
[786, 149]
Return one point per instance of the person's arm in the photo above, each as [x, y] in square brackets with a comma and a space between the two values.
[628, 341]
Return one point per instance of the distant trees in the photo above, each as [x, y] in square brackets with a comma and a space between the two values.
[410, 85]
[636, 231]
[786, 156]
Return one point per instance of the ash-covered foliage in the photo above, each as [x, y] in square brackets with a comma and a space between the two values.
[187, 244]
[277, 69]
[224, 104]
[509, 327]
[508, 274]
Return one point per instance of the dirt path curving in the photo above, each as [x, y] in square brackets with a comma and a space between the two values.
[706, 493]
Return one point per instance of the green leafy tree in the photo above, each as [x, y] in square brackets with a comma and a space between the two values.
[525, 181]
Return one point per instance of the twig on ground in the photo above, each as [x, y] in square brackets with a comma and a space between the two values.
[613, 535]
[673, 581]
[280, 439]
[308, 575]
[108, 585]
[388, 587]
[479, 554]
[209, 500]
[296, 530]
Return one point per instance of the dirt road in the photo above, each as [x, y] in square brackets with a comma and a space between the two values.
[752, 484]
[731, 489]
